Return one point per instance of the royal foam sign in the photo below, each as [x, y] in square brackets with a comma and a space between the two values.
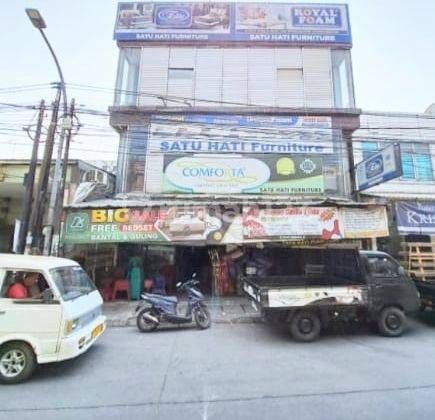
[378, 168]
[317, 17]
[233, 22]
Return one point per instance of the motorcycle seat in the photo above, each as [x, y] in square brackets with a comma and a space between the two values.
[171, 299]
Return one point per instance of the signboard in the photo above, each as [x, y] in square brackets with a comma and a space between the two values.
[192, 224]
[416, 218]
[235, 174]
[364, 223]
[381, 167]
[233, 22]
[282, 223]
[240, 134]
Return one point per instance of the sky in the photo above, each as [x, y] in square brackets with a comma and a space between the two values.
[393, 63]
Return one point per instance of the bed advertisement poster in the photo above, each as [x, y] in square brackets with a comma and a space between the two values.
[277, 23]
[218, 225]
[173, 224]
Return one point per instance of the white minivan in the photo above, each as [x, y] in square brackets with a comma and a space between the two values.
[49, 311]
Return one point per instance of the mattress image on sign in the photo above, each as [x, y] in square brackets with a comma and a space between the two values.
[214, 174]
[316, 296]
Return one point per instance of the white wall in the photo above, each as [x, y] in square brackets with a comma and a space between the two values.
[239, 75]
[398, 128]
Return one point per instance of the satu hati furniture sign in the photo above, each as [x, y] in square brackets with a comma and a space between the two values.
[233, 22]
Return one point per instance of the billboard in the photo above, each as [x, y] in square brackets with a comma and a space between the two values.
[235, 174]
[187, 224]
[240, 134]
[416, 218]
[238, 22]
[378, 168]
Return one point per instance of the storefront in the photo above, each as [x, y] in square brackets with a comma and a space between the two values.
[156, 246]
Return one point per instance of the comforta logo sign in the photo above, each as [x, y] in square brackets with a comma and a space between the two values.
[329, 17]
[257, 174]
[216, 174]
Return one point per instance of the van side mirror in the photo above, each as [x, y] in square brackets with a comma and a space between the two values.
[47, 296]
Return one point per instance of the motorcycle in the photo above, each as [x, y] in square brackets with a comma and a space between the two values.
[164, 308]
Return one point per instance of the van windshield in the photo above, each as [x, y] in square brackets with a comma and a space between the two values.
[72, 282]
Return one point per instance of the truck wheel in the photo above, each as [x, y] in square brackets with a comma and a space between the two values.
[305, 326]
[17, 362]
[391, 322]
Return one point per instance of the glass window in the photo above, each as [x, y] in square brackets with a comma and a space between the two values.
[342, 79]
[369, 148]
[23, 285]
[416, 161]
[382, 267]
[127, 77]
[135, 158]
[72, 282]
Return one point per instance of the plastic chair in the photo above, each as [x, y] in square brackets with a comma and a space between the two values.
[121, 286]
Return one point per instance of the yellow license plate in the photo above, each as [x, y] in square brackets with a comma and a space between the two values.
[97, 331]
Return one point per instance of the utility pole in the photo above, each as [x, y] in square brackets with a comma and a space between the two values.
[35, 228]
[62, 181]
[30, 182]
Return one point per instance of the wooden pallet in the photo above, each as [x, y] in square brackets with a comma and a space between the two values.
[418, 258]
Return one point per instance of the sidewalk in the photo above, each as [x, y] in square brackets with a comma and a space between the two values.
[225, 310]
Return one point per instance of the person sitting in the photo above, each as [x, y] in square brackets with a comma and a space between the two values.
[17, 290]
[31, 284]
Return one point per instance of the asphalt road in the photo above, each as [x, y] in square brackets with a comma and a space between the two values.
[241, 371]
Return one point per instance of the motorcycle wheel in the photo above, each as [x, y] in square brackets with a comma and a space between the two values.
[202, 318]
[143, 324]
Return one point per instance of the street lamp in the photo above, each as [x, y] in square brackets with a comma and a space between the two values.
[39, 23]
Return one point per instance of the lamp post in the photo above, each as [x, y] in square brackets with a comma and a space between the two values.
[39, 23]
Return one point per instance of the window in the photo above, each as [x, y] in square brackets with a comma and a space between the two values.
[342, 79]
[72, 282]
[416, 159]
[180, 82]
[382, 267]
[127, 77]
[23, 285]
[289, 87]
[135, 158]
[369, 148]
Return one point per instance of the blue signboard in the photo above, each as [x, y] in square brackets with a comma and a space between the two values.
[238, 22]
[416, 218]
[378, 168]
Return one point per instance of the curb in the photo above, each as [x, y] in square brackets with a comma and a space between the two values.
[131, 321]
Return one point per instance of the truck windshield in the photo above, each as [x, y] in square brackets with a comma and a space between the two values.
[72, 282]
[380, 266]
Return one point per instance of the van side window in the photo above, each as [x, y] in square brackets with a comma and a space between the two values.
[382, 267]
[23, 285]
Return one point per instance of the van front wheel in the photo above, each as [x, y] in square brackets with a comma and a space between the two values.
[391, 322]
[17, 362]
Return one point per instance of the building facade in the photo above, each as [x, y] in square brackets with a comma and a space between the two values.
[410, 197]
[235, 125]
[13, 173]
